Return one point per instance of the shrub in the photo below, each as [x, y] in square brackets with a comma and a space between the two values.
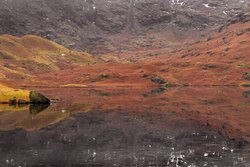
[103, 76]
[168, 85]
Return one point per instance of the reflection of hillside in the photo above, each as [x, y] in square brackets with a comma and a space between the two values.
[23, 119]
[6, 107]
[224, 109]
[34, 117]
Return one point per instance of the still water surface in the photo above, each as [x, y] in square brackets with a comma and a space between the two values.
[176, 127]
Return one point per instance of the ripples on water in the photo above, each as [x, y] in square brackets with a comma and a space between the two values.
[130, 127]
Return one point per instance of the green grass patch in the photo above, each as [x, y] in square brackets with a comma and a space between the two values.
[169, 85]
[242, 65]
[103, 76]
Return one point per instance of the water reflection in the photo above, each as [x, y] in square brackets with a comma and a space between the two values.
[132, 127]
[32, 108]
[37, 108]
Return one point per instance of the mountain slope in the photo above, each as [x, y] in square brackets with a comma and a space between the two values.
[222, 59]
[21, 58]
[148, 38]
[83, 24]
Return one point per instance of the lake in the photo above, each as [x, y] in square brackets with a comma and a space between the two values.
[88, 127]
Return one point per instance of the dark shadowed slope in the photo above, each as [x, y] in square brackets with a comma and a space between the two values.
[83, 24]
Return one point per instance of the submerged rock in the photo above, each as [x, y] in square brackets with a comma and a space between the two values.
[38, 98]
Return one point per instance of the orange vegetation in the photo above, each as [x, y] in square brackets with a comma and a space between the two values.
[219, 60]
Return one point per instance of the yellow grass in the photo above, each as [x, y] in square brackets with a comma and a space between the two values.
[7, 93]
[74, 85]
[15, 119]
[2, 76]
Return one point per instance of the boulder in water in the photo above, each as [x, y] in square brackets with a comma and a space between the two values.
[38, 98]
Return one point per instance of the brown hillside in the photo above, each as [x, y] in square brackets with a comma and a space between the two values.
[21, 58]
[222, 59]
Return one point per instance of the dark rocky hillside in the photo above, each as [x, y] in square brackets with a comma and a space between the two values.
[80, 24]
